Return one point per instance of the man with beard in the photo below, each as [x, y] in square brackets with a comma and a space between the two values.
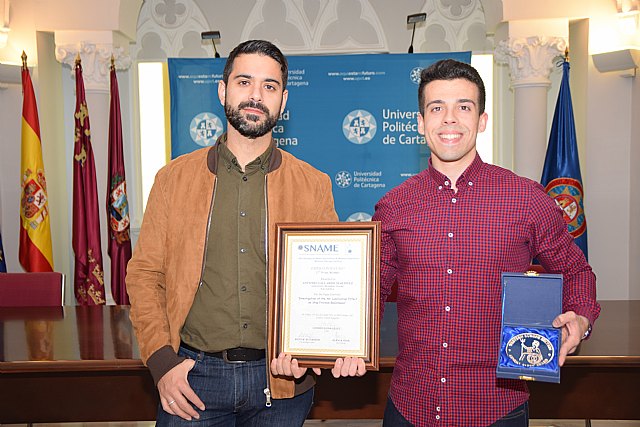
[203, 267]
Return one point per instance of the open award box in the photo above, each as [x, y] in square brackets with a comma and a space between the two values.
[530, 344]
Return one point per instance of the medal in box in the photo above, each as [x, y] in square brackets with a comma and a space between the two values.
[529, 343]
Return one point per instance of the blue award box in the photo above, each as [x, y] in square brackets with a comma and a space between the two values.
[530, 344]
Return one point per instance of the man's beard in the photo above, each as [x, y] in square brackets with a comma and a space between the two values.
[247, 126]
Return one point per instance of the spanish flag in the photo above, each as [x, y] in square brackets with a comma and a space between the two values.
[35, 252]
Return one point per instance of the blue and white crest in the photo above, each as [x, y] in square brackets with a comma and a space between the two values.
[359, 217]
[205, 128]
[359, 126]
[414, 75]
[343, 179]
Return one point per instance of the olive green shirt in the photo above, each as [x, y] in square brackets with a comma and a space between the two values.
[229, 309]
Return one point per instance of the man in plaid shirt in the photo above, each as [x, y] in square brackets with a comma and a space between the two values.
[447, 235]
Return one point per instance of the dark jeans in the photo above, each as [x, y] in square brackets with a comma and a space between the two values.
[519, 417]
[233, 394]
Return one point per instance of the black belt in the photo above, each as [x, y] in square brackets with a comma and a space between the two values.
[232, 355]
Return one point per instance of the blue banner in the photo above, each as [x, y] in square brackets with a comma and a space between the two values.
[561, 176]
[351, 116]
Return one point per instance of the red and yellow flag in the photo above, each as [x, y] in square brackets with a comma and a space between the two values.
[35, 252]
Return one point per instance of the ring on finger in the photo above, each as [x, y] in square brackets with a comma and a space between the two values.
[172, 402]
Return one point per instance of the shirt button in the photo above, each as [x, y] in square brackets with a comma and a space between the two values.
[449, 271]
[243, 250]
[243, 213]
[446, 183]
[244, 178]
[454, 200]
[438, 408]
[470, 184]
[444, 380]
[243, 288]
[439, 187]
[245, 326]
[445, 345]
[447, 308]
[450, 234]
[437, 417]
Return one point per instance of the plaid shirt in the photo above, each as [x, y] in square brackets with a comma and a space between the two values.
[447, 250]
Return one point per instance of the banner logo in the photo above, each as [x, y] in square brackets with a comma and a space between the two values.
[359, 126]
[414, 75]
[567, 192]
[205, 128]
[343, 179]
[318, 248]
[359, 217]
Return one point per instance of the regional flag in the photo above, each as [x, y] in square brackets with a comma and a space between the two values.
[88, 274]
[561, 173]
[117, 205]
[34, 251]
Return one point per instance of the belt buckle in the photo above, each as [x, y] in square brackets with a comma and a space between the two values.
[226, 359]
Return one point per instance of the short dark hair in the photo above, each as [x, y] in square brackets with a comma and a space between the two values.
[450, 69]
[260, 47]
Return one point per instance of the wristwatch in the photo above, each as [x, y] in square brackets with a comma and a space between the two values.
[587, 333]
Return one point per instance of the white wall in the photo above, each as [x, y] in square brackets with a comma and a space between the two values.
[10, 119]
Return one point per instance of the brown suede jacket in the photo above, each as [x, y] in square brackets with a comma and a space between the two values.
[167, 263]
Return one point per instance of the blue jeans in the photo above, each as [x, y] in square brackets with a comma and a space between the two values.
[519, 417]
[233, 394]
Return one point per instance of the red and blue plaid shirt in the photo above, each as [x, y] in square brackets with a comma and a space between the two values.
[447, 250]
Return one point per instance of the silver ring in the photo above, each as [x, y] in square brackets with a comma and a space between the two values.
[172, 402]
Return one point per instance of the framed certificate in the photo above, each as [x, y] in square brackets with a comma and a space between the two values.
[327, 293]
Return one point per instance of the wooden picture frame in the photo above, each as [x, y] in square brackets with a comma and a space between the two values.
[327, 292]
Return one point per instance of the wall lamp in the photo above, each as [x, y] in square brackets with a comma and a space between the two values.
[213, 36]
[619, 60]
[414, 19]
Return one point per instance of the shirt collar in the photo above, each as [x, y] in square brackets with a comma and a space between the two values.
[469, 175]
[230, 161]
[213, 156]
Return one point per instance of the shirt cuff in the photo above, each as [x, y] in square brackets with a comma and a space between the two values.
[162, 361]
[584, 311]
